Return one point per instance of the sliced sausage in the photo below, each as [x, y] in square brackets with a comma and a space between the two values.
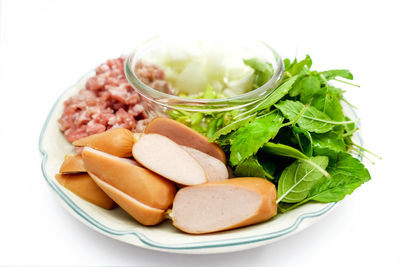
[142, 213]
[82, 185]
[117, 142]
[183, 135]
[72, 164]
[215, 169]
[123, 174]
[163, 156]
[224, 205]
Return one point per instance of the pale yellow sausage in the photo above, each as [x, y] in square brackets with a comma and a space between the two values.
[72, 164]
[82, 185]
[163, 156]
[215, 169]
[145, 186]
[224, 205]
[183, 135]
[117, 142]
[142, 213]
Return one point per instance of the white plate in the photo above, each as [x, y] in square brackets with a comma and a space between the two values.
[118, 225]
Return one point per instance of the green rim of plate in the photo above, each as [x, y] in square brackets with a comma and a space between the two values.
[183, 246]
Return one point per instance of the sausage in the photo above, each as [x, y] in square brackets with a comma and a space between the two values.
[183, 135]
[215, 169]
[163, 156]
[123, 174]
[82, 185]
[72, 164]
[117, 142]
[224, 205]
[142, 213]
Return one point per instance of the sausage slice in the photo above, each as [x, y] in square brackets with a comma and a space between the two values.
[215, 169]
[163, 156]
[183, 135]
[123, 174]
[117, 142]
[141, 212]
[82, 185]
[72, 164]
[224, 205]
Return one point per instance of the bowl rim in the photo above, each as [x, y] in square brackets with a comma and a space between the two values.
[161, 97]
[81, 214]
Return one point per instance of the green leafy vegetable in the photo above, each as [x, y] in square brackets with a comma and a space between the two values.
[283, 150]
[231, 127]
[263, 71]
[271, 99]
[298, 178]
[328, 101]
[297, 136]
[252, 168]
[328, 144]
[251, 137]
[347, 173]
[312, 120]
[331, 74]
[288, 151]
[306, 87]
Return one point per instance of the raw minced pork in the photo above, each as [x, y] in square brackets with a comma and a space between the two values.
[109, 101]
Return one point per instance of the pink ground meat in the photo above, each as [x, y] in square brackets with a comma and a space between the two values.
[109, 101]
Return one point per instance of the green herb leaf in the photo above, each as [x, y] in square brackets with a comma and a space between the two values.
[288, 151]
[312, 120]
[304, 139]
[298, 178]
[256, 64]
[331, 74]
[329, 102]
[300, 67]
[306, 87]
[328, 144]
[347, 173]
[263, 71]
[232, 126]
[271, 99]
[249, 138]
[251, 167]
[283, 150]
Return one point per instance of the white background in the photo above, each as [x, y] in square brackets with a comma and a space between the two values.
[47, 45]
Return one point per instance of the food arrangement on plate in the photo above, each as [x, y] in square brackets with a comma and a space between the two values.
[210, 135]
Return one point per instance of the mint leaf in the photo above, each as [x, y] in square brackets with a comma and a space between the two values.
[263, 71]
[331, 74]
[288, 151]
[257, 65]
[306, 87]
[283, 150]
[299, 67]
[251, 167]
[231, 127]
[347, 173]
[329, 102]
[249, 138]
[328, 144]
[312, 120]
[271, 99]
[298, 178]
[304, 139]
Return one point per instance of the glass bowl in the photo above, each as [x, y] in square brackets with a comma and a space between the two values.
[247, 48]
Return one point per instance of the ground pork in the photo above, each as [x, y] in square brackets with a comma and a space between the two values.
[109, 101]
